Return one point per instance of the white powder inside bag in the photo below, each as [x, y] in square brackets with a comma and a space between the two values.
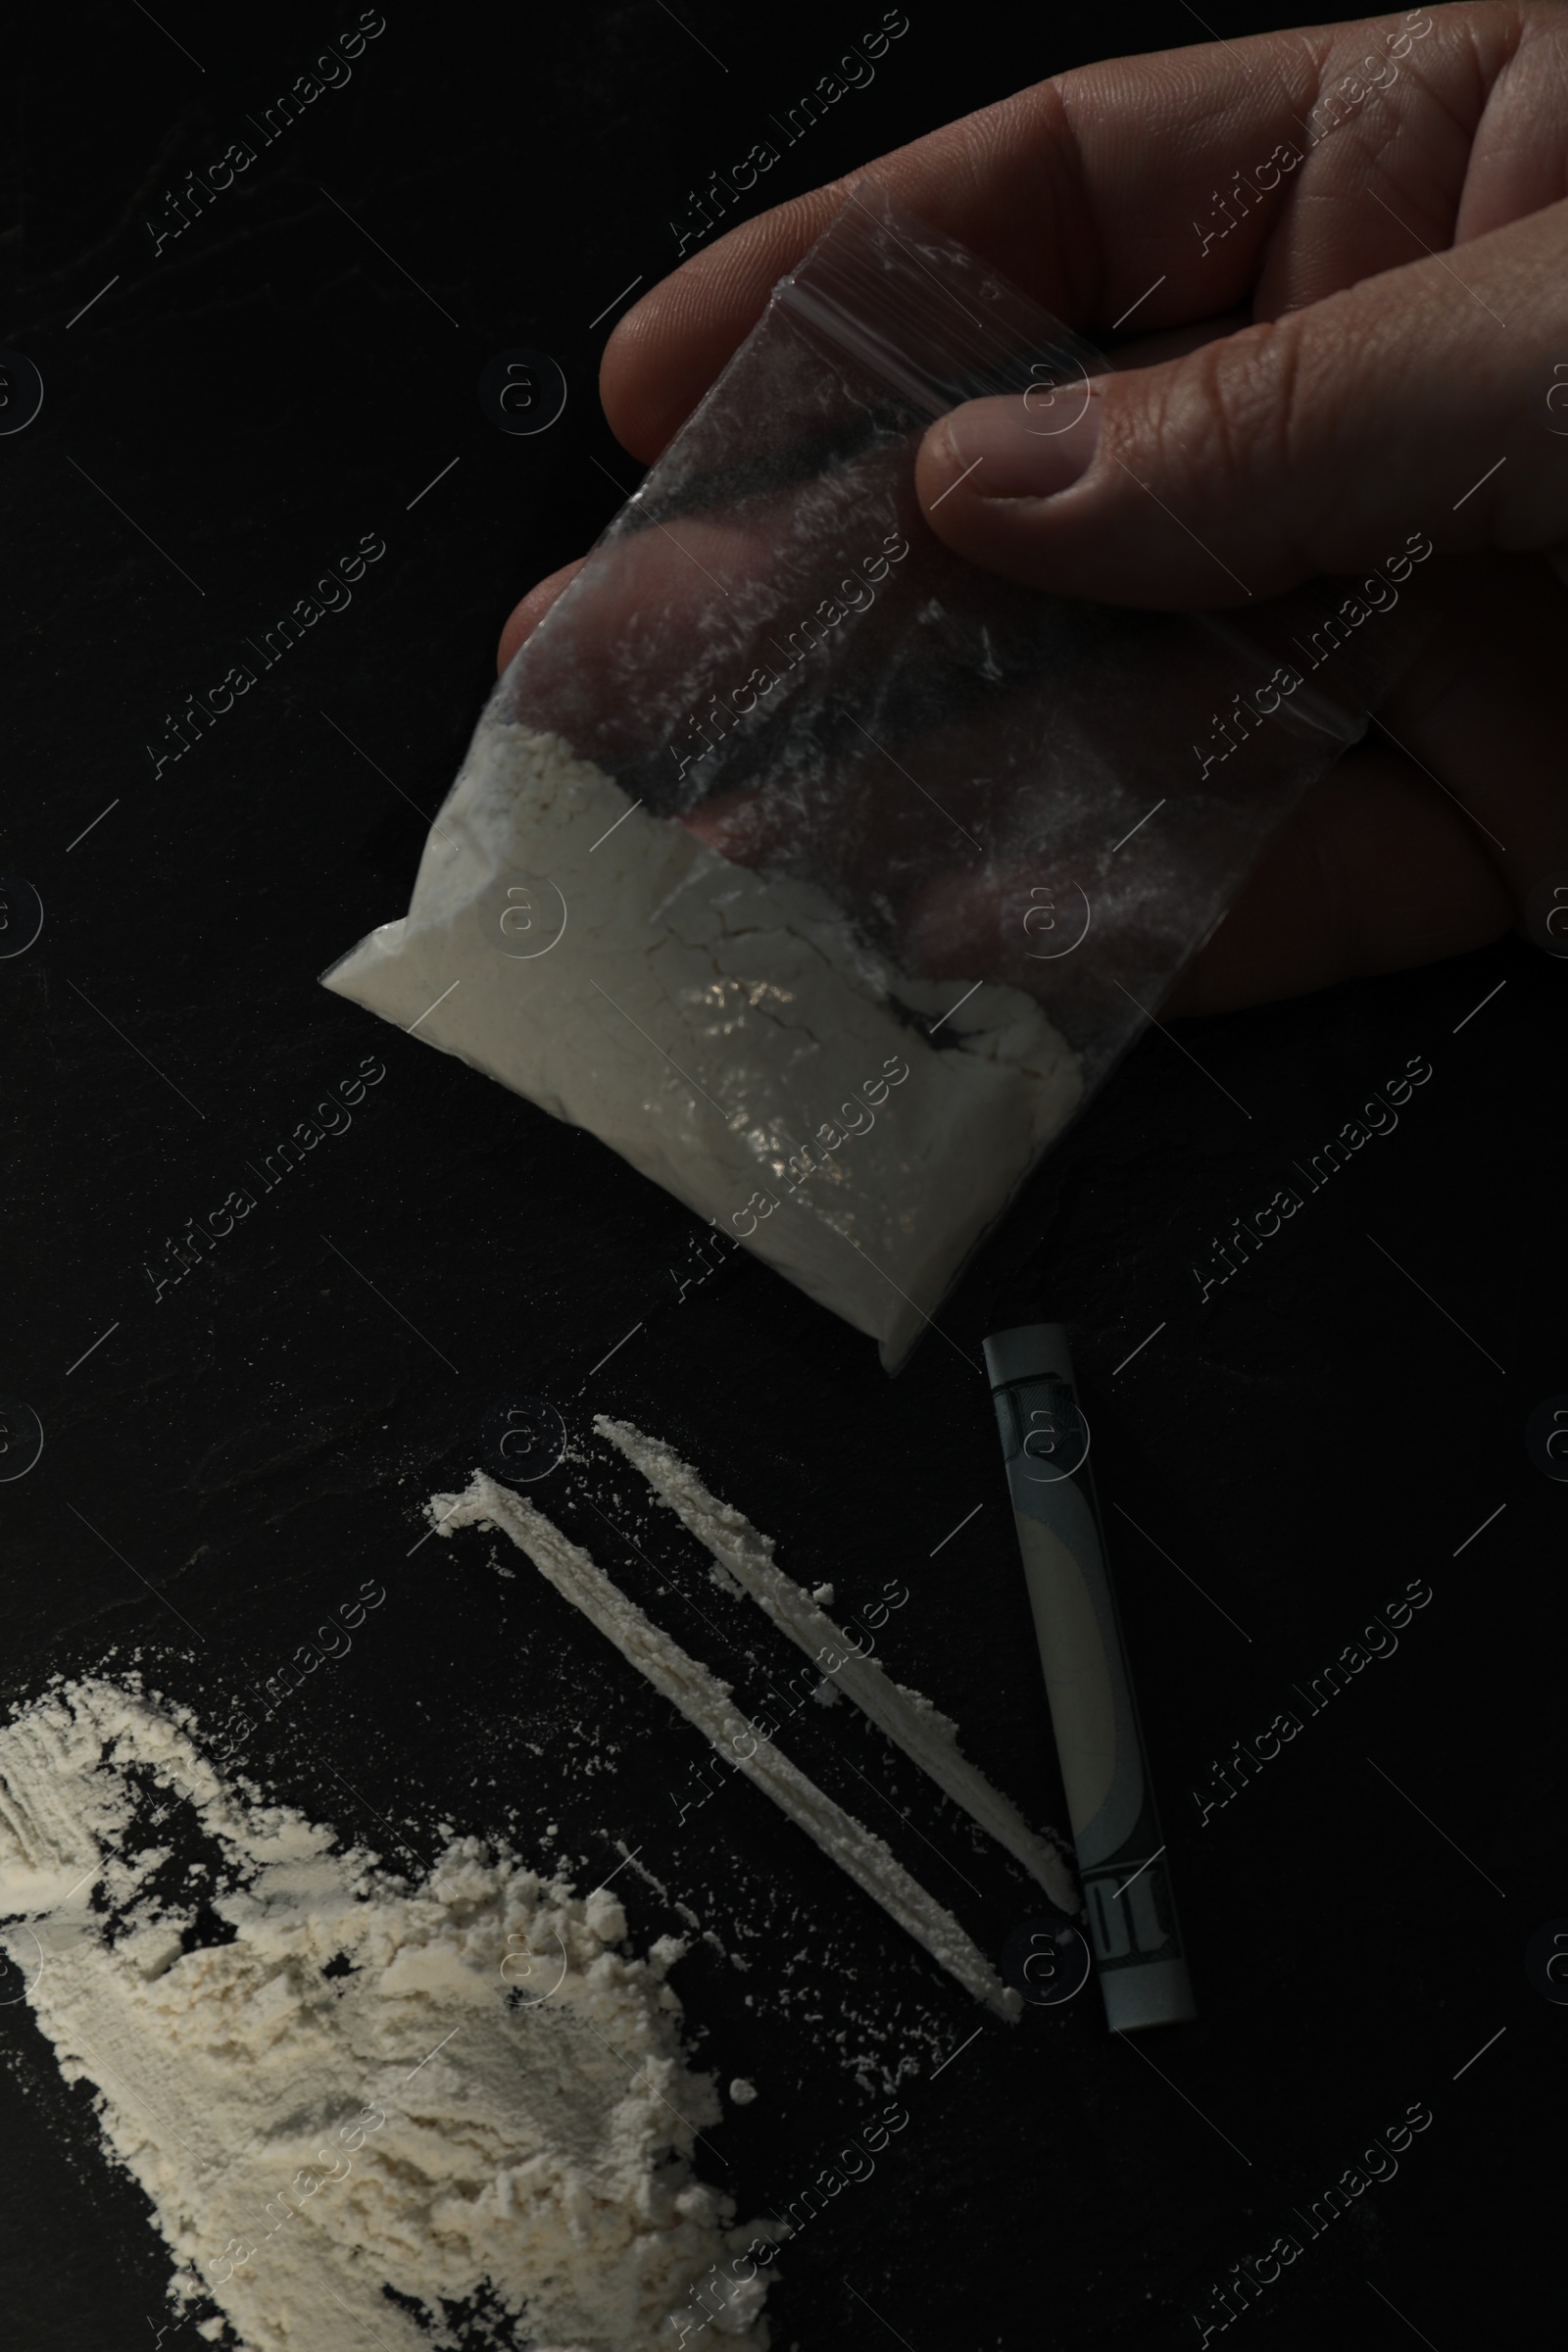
[713, 1027]
[455, 2089]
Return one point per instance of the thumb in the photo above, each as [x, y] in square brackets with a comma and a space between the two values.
[1305, 445]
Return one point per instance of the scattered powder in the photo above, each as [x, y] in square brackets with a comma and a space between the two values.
[455, 2089]
[707, 1703]
[928, 1737]
[712, 1026]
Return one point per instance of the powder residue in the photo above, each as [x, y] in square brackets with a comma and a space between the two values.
[909, 1718]
[455, 2089]
[707, 1703]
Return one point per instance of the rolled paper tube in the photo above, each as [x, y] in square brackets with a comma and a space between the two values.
[1133, 1927]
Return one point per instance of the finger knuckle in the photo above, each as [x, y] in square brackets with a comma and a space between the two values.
[1242, 419]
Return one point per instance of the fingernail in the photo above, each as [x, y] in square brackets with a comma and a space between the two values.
[1022, 446]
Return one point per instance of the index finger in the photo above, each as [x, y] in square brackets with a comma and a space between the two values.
[1086, 190]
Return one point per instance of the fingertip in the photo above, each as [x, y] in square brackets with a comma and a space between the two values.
[937, 463]
[665, 351]
[662, 356]
[947, 497]
[525, 616]
[990, 477]
[520, 621]
[632, 369]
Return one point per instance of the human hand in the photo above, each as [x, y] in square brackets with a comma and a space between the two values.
[1371, 394]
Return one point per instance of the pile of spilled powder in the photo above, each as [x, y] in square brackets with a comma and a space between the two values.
[435, 2112]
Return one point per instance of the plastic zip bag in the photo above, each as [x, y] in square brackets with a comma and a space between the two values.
[820, 873]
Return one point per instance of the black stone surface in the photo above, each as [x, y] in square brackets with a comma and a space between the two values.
[223, 1461]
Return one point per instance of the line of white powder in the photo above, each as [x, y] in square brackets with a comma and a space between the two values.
[927, 1736]
[708, 1703]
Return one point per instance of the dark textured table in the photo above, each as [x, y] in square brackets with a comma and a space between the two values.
[234, 406]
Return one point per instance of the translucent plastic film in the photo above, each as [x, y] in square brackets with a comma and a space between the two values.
[820, 873]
